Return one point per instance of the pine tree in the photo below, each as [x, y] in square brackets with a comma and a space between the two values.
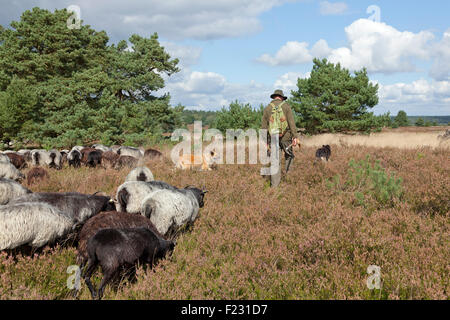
[401, 119]
[332, 99]
[68, 86]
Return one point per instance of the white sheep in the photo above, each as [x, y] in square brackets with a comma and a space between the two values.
[4, 158]
[10, 189]
[52, 158]
[33, 223]
[130, 194]
[8, 171]
[101, 147]
[140, 174]
[170, 210]
[130, 151]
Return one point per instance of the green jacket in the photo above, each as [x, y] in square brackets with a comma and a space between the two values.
[287, 110]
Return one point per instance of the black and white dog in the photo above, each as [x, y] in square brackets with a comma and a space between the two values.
[323, 153]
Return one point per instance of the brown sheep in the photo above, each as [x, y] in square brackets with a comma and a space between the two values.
[126, 161]
[84, 154]
[109, 219]
[153, 154]
[36, 174]
[17, 160]
[109, 159]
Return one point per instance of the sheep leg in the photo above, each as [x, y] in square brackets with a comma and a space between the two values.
[107, 276]
[87, 277]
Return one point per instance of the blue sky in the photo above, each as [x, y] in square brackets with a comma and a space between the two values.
[244, 49]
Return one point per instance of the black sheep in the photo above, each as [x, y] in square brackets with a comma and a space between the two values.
[115, 248]
[74, 158]
[94, 158]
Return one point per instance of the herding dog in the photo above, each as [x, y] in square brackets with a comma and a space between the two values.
[323, 153]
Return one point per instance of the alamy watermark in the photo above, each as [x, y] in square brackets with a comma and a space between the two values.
[74, 280]
[235, 139]
[374, 280]
[376, 13]
[74, 21]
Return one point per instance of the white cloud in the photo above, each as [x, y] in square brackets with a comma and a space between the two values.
[332, 8]
[179, 19]
[288, 81]
[418, 97]
[172, 19]
[320, 49]
[374, 45]
[292, 52]
[440, 69]
[381, 48]
[187, 55]
[202, 83]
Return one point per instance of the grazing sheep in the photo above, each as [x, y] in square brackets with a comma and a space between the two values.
[36, 174]
[74, 158]
[115, 148]
[109, 159]
[153, 154]
[130, 151]
[115, 248]
[104, 220]
[8, 171]
[76, 206]
[126, 161]
[64, 154]
[101, 147]
[4, 158]
[171, 210]
[323, 153]
[52, 158]
[10, 189]
[140, 174]
[17, 160]
[130, 194]
[94, 158]
[79, 148]
[26, 154]
[34, 224]
[84, 154]
[56, 159]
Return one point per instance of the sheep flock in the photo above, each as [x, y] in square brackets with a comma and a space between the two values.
[139, 224]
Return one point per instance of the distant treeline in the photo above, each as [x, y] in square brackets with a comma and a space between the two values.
[208, 118]
[440, 120]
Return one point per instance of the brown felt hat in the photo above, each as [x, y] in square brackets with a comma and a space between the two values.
[278, 93]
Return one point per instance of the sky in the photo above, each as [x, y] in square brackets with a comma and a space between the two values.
[245, 49]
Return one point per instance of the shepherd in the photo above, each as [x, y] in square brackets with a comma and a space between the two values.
[278, 119]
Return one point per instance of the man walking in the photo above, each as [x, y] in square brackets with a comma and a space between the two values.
[278, 119]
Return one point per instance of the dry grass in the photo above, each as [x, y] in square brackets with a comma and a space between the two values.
[300, 241]
[404, 138]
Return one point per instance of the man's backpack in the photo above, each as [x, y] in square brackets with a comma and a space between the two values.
[277, 123]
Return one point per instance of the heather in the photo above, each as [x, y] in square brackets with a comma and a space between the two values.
[305, 240]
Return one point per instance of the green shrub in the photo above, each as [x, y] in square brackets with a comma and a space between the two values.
[370, 185]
